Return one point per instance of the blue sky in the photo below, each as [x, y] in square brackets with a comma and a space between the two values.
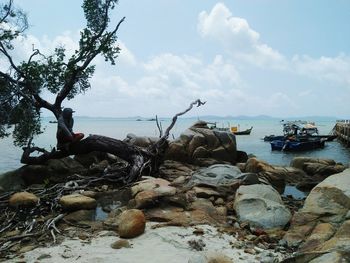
[279, 58]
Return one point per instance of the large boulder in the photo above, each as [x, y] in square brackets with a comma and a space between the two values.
[202, 146]
[262, 206]
[131, 224]
[323, 225]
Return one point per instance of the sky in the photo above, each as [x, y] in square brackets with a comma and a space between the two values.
[258, 57]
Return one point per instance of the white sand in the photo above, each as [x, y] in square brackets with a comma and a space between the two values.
[163, 245]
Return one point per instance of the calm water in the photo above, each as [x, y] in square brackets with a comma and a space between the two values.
[119, 128]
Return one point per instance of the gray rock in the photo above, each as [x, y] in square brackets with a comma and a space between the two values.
[215, 175]
[261, 206]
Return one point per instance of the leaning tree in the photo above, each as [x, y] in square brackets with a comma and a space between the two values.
[22, 85]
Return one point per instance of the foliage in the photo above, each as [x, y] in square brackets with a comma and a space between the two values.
[23, 84]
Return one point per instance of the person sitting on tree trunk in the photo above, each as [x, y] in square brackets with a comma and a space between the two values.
[65, 135]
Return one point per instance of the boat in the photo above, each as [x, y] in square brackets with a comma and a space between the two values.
[301, 129]
[297, 144]
[233, 129]
[245, 132]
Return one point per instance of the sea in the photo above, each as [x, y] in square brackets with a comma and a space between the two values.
[119, 128]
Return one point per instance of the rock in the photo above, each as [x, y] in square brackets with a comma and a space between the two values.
[55, 170]
[325, 209]
[221, 177]
[172, 170]
[158, 185]
[202, 146]
[90, 158]
[254, 165]
[121, 243]
[201, 211]
[267, 174]
[132, 223]
[149, 191]
[23, 199]
[261, 206]
[299, 162]
[141, 141]
[80, 215]
[89, 193]
[204, 192]
[11, 181]
[77, 202]
[145, 199]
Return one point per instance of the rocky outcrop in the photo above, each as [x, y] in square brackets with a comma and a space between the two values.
[322, 226]
[262, 206]
[131, 223]
[75, 202]
[23, 199]
[202, 146]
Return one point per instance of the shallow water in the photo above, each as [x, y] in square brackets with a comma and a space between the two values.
[294, 192]
[119, 128]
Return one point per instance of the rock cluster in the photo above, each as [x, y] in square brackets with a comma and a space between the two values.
[205, 180]
[202, 146]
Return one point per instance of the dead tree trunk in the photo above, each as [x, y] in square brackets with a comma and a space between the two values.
[137, 157]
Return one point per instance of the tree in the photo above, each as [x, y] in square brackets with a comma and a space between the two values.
[22, 84]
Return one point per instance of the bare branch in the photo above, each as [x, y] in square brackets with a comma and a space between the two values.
[8, 11]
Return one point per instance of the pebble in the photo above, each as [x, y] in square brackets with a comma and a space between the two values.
[121, 243]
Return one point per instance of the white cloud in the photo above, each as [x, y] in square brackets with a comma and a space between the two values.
[333, 70]
[237, 37]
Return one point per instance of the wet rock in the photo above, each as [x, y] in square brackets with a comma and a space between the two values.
[132, 223]
[77, 202]
[261, 206]
[23, 199]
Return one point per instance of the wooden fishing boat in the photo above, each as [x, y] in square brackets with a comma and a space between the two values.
[245, 132]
